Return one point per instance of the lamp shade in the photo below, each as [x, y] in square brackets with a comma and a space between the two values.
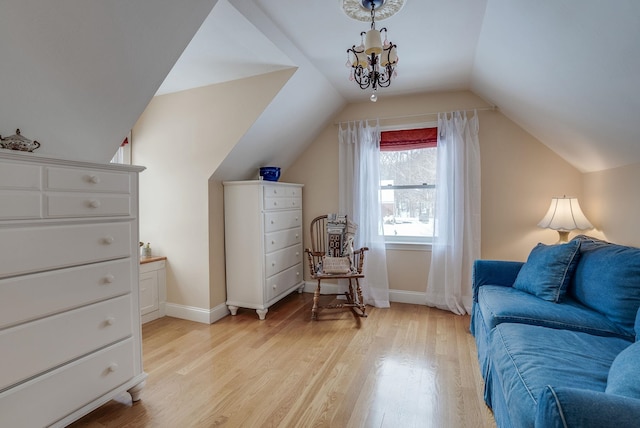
[564, 215]
[373, 42]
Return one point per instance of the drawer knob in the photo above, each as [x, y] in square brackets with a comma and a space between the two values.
[273, 242]
[275, 204]
[275, 286]
[94, 203]
[108, 279]
[108, 240]
[273, 264]
[94, 179]
[297, 253]
[109, 321]
[112, 367]
[273, 222]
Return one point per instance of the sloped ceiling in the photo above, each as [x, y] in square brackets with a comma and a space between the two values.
[76, 74]
[567, 72]
[564, 70]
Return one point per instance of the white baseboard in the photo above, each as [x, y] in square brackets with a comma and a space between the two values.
[412, 297]
[191, 313]
[209, 316]
[398, 296]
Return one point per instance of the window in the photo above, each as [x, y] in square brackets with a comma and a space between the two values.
[123, 155]
[407, 183]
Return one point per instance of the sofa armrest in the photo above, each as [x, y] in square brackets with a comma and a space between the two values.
[571, 407]
[494, 272]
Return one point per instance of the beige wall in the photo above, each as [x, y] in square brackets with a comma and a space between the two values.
[519, 177]
[613, 203]
[182, 138]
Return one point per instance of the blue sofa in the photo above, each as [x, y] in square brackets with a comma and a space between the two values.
[558, 337]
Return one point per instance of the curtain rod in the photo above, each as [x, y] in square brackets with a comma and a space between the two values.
[489, 108]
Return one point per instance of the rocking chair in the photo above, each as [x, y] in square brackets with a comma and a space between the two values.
[319, 271]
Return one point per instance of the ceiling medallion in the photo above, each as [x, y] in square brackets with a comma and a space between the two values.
[361, 11]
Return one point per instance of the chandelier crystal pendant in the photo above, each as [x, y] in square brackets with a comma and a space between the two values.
[373, 61]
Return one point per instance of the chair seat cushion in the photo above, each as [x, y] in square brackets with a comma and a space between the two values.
[500, 304]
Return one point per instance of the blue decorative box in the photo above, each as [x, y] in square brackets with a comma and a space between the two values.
[270, 173]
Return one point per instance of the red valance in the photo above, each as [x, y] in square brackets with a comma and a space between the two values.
[408, 139]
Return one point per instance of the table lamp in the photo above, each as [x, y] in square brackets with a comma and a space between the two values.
[564, 215]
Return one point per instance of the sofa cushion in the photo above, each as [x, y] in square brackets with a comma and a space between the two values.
[624, 374]
[548, 270]
[637, 328]
[499, 304]
[526, 358]
[607, 279]
[563, 407]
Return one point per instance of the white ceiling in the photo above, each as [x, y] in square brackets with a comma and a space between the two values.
[564, 70]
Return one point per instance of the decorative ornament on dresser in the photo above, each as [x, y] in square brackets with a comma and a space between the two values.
[18, 142]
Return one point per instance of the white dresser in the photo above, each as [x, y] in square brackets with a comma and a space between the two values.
[263, 243]
[70, 335]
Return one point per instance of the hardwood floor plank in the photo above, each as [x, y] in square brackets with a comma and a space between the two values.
[406, 366]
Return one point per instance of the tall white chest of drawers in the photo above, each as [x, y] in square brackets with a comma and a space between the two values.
[263, 243]
[70, 336]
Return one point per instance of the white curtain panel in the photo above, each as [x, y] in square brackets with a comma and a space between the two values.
[359, 193]
[456, 242]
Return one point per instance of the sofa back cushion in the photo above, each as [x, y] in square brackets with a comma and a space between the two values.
[624, 374]
[548, 270]
[607, 280]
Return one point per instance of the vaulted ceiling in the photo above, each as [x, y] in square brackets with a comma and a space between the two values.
[564, 70]
[77, 74]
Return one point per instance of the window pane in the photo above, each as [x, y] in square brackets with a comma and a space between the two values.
[408, 166]
[408, 212]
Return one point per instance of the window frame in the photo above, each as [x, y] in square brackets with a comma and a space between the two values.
[410, 243]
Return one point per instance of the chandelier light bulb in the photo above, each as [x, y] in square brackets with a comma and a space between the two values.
[373, 98]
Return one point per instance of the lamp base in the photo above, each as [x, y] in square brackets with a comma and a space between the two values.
[563, 237]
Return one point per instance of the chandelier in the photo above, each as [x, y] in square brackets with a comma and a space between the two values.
[373, 61]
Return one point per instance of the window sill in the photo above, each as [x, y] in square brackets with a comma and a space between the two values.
[408, 246]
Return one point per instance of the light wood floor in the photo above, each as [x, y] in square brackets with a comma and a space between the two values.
[408, 366]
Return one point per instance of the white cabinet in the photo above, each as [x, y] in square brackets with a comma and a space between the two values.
[263, 243]
[69, 300]
[153, 288]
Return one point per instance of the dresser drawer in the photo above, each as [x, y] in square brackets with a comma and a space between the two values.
[19, 176]
[19, 204]
[32, 348]
[29, 297]
[87, 180]
[51, 397]
[87, 205]
[285, 238]
[282, 203]
[282, 191]
[280, 260]
[283, 281]
[32, 249]
[280, 220]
